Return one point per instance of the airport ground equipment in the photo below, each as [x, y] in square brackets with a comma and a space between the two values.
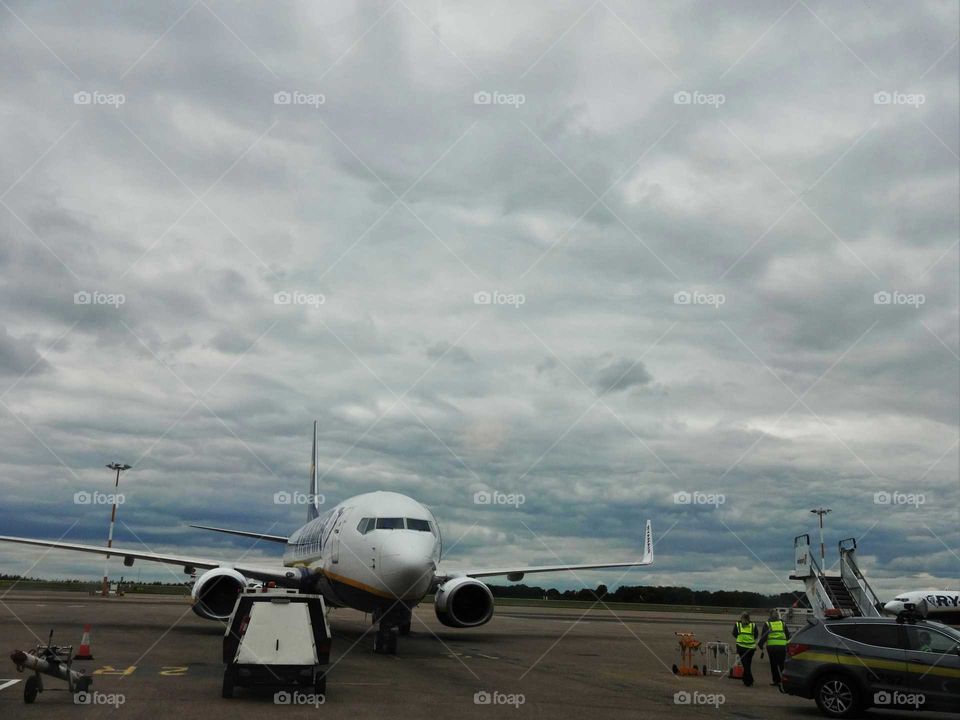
[846, 594]
[796, 618]
[276, 637]
[718, 658]
[688, 647]
[53, 661]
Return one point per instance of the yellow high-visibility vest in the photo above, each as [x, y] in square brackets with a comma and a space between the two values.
[746, 635]
[776, 635]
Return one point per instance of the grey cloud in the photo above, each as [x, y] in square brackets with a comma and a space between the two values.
[620, 374]
[19, 356]
[444, 350]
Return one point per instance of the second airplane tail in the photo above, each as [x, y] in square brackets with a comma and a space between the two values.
[313, 496]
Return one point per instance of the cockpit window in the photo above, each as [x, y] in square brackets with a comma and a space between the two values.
[389, 523]
[414, 524]
[365, 526]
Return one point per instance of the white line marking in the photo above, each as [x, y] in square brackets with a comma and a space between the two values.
[362, 683]
[4, 684]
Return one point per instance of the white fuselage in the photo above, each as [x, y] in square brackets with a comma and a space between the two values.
[370, 551]
[940, 603]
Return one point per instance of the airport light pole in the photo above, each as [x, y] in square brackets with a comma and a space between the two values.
[105, 588]
[821, 511]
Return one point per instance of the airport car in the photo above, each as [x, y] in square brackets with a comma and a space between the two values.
[849, 664]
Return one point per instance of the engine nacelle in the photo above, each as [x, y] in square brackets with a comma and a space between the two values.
[463, 602]
[215, 593]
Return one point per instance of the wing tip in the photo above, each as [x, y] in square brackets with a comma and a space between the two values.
[648, 544]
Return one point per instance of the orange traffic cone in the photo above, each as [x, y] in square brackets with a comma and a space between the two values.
[84, 652]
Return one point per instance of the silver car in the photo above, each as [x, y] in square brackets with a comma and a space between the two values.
[849, 664]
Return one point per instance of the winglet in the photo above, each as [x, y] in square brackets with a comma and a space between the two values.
[313, 504]
[648, 544]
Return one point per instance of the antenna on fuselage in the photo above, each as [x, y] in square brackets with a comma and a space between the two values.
[313, 499]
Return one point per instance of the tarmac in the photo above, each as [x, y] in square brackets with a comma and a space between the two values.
[153, 658]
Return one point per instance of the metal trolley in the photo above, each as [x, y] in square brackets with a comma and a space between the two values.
[719, 658]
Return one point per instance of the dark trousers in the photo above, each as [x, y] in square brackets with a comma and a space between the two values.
[777, 654]
[746, 659]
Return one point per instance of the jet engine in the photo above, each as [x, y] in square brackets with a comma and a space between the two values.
[463, 602]
[215, 593]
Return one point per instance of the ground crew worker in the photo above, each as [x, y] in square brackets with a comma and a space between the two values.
[775, 636]
[745, 633]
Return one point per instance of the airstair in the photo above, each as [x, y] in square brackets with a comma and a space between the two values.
[830, 594]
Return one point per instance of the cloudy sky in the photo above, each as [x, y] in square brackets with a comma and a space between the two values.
[593, 253]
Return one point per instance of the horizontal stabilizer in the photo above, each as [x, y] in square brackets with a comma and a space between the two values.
[244, 533]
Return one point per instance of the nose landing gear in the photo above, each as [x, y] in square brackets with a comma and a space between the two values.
[385, 641]
[391, 624]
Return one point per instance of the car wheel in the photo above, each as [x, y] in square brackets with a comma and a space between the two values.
[837, 697]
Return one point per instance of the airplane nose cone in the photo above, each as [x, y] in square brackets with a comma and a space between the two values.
[407, 567]
[893, 607]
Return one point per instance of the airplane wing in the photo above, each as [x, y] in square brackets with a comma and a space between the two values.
[517, 573]
[279, 574]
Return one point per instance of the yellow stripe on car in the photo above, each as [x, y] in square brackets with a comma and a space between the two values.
[877, 663]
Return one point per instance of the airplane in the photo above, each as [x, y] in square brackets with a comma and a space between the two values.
[377, 552]
[942, 605]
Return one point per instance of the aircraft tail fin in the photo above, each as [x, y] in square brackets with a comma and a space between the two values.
[313, 497]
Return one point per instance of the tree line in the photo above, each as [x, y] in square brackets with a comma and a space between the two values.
[655, 595]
